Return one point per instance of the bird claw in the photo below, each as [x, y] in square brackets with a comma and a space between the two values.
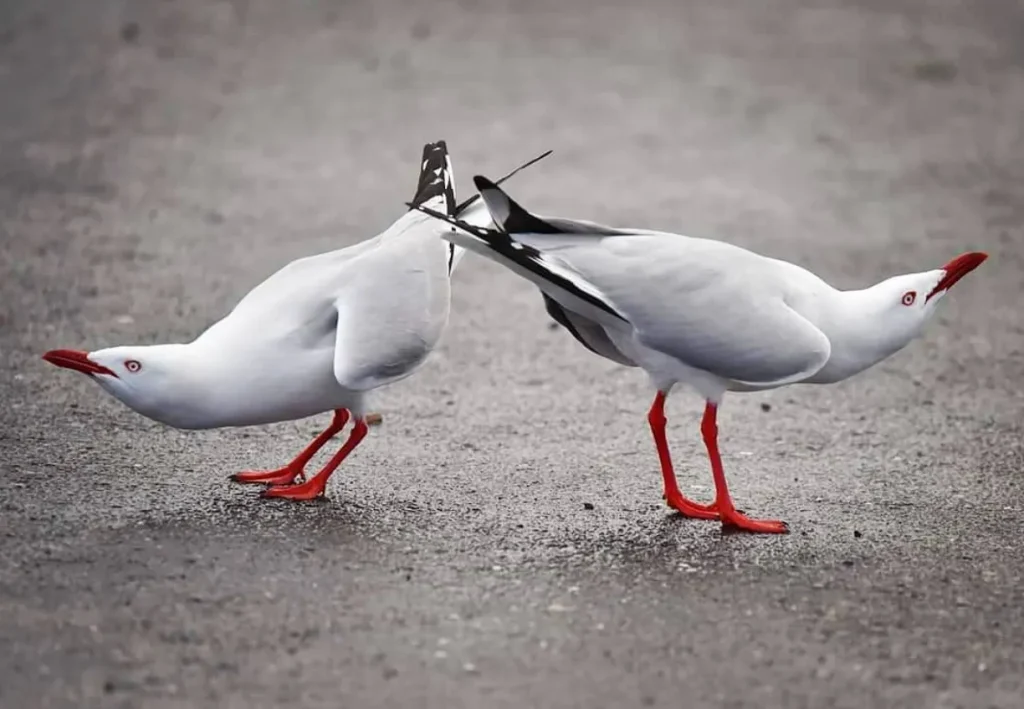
[689, 508]
[282, 476]
[735, 521]
[309, 490]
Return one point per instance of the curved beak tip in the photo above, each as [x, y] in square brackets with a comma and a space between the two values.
[957, 269]
[59, 357]
[965, 263]
[76, 360]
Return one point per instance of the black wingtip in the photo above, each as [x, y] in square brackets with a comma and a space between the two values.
[436, 179]
[467, 203]
[482, 183]
[508, 214]
[522, 254]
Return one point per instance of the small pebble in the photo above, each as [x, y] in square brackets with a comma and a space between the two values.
[374, 419]
[857, 534]
[766, 407]
[130, 31]
[588, 505]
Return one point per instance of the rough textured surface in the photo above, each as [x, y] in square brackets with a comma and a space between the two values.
[157, 159]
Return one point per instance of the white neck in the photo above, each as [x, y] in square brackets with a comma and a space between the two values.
[860, 337]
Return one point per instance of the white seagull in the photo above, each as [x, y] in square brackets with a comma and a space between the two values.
[316, 336]
[705, 313]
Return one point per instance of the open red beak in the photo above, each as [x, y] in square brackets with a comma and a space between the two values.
[957, 269]
[76, 360]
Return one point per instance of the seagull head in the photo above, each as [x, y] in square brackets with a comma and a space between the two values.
[151, 379]
[908, 301]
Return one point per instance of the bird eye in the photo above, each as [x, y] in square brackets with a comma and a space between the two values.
[132, 365]
[909, 297]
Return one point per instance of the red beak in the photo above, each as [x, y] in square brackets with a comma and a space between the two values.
[957, 269]
[76, 360]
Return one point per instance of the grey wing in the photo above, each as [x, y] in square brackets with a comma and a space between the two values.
[587, 332]
[770, 345]
[391, 314]
[711, 306]
[303, 278]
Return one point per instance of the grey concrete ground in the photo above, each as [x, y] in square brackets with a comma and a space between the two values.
[157, 159]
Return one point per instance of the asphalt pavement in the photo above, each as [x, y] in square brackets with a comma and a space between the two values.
[499, 540]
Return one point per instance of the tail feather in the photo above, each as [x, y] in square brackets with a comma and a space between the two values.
[436, 179]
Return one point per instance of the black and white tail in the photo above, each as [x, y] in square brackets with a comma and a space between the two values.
[436, 179]
[548, 274]
[437, 186]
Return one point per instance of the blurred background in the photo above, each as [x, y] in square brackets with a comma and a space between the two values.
[500, 540]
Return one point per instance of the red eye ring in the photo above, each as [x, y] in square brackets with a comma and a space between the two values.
[132, 365]
[909, 297]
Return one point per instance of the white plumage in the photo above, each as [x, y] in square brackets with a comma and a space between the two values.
[705, 313]
[315, 336]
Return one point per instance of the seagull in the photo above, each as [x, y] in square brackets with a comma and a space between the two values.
[703, 313]
[316, 336]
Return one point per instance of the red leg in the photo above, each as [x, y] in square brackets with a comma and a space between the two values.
[674, 498]
[296, 468]
[730, 517]
[314, 487]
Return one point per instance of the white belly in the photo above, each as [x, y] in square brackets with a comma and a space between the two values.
[256, 390]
